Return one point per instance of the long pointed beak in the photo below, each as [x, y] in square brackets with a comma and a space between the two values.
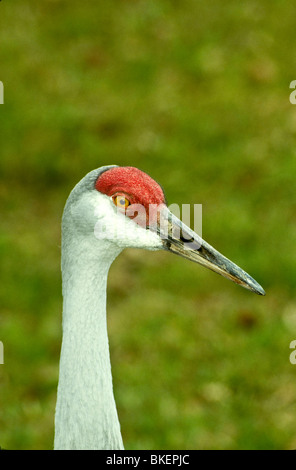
[180, 239]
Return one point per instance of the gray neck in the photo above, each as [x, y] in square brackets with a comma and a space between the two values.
[86, 415]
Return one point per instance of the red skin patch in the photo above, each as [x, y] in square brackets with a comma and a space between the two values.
[136, 186]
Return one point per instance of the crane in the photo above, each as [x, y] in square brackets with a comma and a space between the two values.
[111, 208]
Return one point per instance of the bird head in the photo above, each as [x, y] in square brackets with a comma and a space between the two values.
[125, 207]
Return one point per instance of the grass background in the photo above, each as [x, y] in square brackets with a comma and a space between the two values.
[197, 95]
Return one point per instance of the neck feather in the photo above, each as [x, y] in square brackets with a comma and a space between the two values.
[86, 415]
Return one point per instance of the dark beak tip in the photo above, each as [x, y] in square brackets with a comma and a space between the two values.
[261, 291]
[254, 286]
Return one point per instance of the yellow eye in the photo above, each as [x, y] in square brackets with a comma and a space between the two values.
[121, 201]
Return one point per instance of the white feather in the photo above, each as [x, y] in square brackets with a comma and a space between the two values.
[93, 234]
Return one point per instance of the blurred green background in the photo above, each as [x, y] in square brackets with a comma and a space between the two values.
[197, 95]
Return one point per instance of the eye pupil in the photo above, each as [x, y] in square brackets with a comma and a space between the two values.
[121, 201]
